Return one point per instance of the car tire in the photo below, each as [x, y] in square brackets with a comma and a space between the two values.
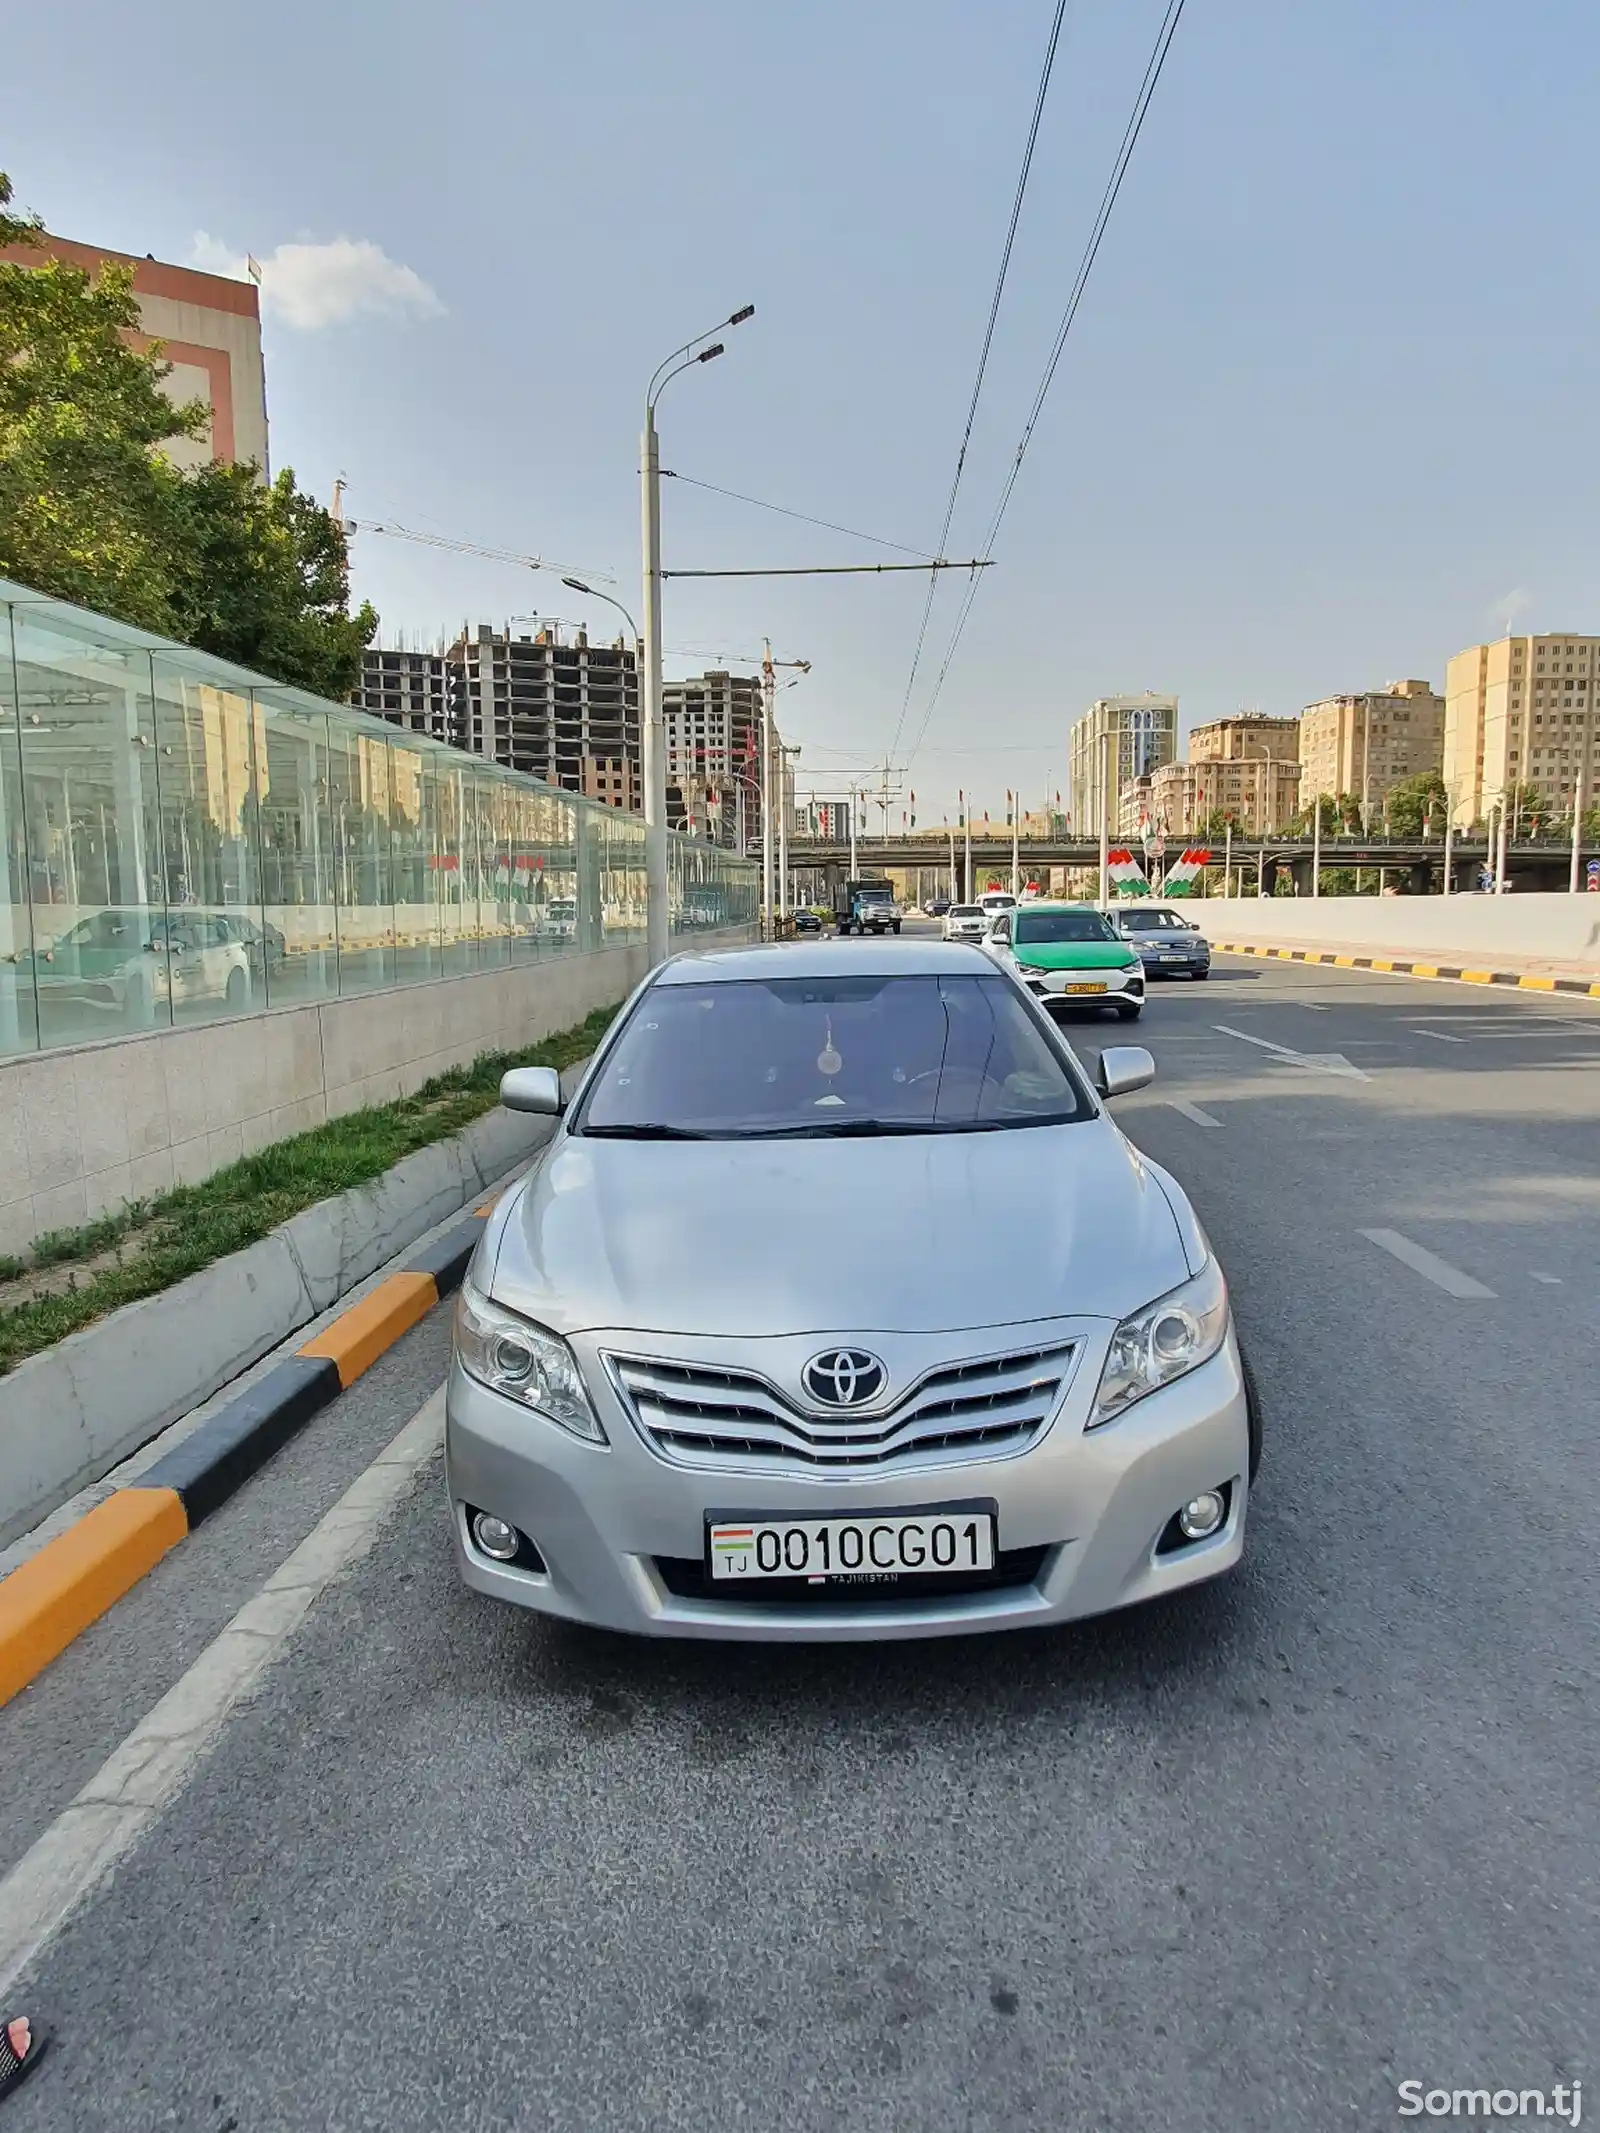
[897, 925]
[1130, 1014]
[238, 988]
[1197, 975]
[1252, 1404]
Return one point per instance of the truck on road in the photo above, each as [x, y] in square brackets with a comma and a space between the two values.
[866, 906]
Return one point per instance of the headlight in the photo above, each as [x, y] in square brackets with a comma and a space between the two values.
[511, 1355]
[1176, 1333]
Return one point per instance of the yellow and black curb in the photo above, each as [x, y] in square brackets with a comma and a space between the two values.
[74, 1579]
[1519, 981]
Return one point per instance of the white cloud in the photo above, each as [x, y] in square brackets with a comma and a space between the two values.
[310, 286]
[1503, 610]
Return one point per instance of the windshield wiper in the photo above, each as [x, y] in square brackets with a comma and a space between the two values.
[647, 1132]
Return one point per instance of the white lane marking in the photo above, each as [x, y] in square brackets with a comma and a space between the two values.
[139, 1780]
[1428, 1264]
[1314, 1007]
[1189, 1110]
[1551, 1281]
[1316, 1062]
[1439, 1036]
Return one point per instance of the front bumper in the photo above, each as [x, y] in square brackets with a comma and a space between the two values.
[606, 1519]
[1053, 987]
[1164, 963]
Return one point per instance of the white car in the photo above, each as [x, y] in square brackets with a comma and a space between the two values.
[993, 901]
[965, 922]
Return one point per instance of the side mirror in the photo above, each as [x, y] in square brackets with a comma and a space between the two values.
[536, 1089]
[1124, 1067]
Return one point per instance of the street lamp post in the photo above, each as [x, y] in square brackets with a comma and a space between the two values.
[1575, 880]
[657, 886]
[1316, 846]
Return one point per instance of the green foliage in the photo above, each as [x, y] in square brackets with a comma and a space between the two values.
[92, 510]
[1415, 801]
[180, 1232]
[83, 418]
[262, 576]
[1338, 881]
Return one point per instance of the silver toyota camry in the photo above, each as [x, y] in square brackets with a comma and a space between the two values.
[706, 1381]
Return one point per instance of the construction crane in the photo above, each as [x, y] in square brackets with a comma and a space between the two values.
[535, 562]
[493, 555]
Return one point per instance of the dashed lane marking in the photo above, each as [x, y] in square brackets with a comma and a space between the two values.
[1428, 1264]
[1192, 1111]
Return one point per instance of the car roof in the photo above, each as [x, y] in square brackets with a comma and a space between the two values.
[1063, 903]
[818, 959]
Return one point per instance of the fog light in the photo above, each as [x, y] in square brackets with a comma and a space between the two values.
[1200, 1516]
[499, 1540]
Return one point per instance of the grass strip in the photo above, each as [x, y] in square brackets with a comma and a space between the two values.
[149, 1245]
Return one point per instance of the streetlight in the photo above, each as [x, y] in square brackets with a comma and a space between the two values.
[655, 751]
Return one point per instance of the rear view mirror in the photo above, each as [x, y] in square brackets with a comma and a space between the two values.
[536, 1089]
[1124, 1067]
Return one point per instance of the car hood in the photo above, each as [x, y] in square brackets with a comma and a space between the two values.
[1072, 955]
[914, 1234]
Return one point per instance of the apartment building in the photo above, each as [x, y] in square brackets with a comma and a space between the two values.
[1369, 743]
[712, 726]
[1522, 711]
[566, 711]
[1118, 739]
[210, 327]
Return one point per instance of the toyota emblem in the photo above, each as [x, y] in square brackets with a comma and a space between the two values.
[844, 1377]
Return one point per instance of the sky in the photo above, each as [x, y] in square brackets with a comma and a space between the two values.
[1328, 412]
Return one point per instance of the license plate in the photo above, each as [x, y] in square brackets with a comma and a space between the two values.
[946, 1540]
[1083, 988]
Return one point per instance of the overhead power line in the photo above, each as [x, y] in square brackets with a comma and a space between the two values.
[1108, 200]
[983, 356]
[834, 570]
[783, 511]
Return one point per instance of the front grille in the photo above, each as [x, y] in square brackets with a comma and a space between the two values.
[698, 1415]
[686, 1578]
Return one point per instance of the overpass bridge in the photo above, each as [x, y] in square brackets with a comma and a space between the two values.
[1532, 863]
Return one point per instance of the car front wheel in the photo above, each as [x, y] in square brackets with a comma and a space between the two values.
[1130, 1014]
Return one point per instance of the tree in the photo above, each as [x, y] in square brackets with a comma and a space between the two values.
[1326, 806]
[1337, 881]
[1414, 801]
[92, 509]
[82, 422]
[261, 576]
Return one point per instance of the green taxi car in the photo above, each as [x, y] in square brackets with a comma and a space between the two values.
[1069, 955]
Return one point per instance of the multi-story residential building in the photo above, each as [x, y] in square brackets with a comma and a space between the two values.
[566, 711]
[713, 739]
[1246, 736]
[210, 326]
[1118, 739]
[1369, 743]
[1522, 711]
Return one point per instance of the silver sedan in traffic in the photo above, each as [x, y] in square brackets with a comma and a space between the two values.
[839, 1308]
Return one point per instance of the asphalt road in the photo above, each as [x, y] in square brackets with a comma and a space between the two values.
[1247, 1860]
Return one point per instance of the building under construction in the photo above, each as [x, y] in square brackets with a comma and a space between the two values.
[558, 707]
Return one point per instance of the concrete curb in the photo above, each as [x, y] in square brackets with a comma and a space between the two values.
[70, 1415]
[74, 1579]
[1518, 980]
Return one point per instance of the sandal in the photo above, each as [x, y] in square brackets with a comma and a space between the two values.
[15, 2066]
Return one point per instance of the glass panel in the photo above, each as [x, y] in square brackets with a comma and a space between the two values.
[363, 872]
[19, 1009]
[455, 864]
[415, 921]
[492, 793]
[297, 906]
[219, 955]
[92, 829]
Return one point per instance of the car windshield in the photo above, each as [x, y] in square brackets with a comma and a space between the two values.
[1153, 922]
[966, 911]
[1037, 928]
[999, 902]
[830, 1057]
